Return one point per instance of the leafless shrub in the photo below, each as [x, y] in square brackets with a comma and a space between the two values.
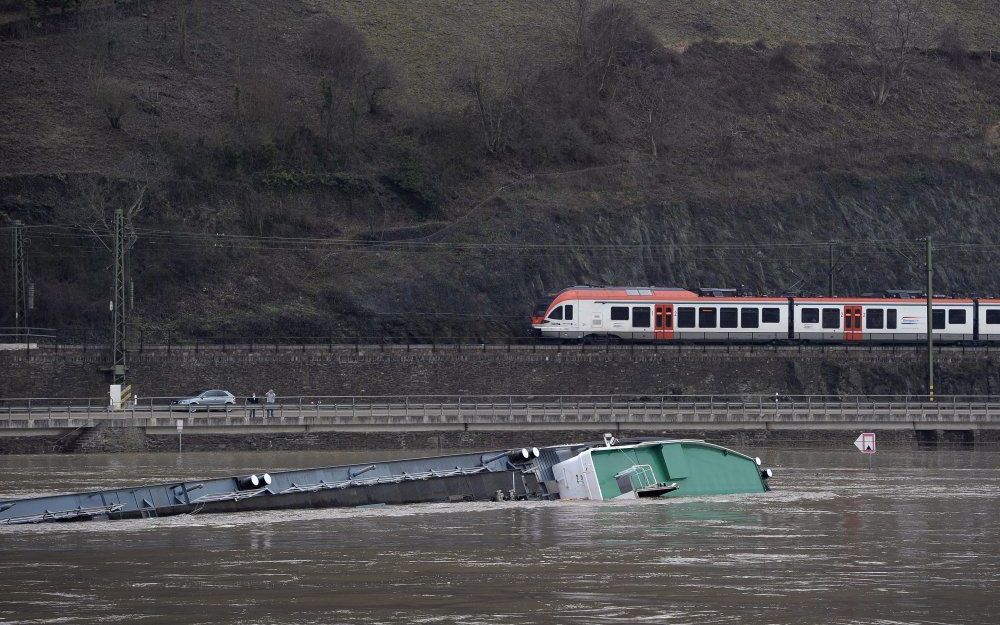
[149, 101]
[113, 99]
[611, 88]
[260, 106]
[611, 42]
[335, 47]
[888, 31]
[621, 59]
[343, 55]
[952, 41]
[834, 59]
[704, 27]
[992, 135]
[353, 79]
[782, 58]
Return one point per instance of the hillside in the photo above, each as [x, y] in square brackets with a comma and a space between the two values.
[506, 149]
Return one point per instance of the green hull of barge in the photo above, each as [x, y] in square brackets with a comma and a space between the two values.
[698, 468]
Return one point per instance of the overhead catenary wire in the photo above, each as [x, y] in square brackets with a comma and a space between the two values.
[249, 241]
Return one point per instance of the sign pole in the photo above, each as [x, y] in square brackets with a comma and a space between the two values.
[866, 445]
[930, 322]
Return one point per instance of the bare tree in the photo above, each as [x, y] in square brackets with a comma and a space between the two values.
[186, 18]
[494, 95]
[379, 77]
[888, 31]
[655, 109]
[608, 43]
[353, 79]
[98, 198]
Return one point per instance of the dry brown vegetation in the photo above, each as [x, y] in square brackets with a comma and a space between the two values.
[282, 120]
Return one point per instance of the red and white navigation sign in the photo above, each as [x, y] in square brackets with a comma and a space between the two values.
[866, 443]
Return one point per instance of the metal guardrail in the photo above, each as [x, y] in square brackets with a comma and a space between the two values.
[507, 409]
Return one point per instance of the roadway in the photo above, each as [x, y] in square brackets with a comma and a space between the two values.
[610, 413]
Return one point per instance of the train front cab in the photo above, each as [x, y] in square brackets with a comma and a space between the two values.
[561, 322]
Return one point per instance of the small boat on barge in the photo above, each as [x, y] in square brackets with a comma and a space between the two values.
[596, 471]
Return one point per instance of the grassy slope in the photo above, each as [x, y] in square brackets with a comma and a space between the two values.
[759, 151]
[429, 38]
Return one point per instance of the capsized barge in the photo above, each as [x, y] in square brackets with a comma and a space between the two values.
[608, 470]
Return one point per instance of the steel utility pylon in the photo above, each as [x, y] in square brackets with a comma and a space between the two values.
[118, 301]
[20, 298]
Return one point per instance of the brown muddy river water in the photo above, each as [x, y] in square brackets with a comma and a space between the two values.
[917, 540]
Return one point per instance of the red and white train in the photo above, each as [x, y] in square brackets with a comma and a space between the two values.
[672, 314]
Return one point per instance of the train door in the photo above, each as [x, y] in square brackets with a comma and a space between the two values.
[852, 323]
[664, 323]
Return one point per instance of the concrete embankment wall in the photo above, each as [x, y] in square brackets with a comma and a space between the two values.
[346, 371]
[131, 440]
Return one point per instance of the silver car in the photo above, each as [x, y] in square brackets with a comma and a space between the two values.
[207, 400]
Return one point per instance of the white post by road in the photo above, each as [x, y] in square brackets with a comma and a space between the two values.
[115, 396]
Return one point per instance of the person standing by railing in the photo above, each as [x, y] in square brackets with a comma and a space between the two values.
[269, 399]
[253, 401]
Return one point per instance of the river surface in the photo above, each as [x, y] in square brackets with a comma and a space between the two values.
[916, 540]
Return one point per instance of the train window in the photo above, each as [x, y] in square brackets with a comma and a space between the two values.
[771, 315]
[809, 315]
[707, 317]
[875, 319]
[729, 318]
[557, 313]
[993, 316]
[937, 320]
[831, 318]
[956, 316]
[569, 312]
[640, 317]
[749, 317]
[685, 317]
[619, 313]
[890, 318]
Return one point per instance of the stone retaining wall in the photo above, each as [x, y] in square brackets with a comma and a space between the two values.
[370, 372]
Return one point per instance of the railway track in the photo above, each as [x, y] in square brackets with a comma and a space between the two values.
[520, 345]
